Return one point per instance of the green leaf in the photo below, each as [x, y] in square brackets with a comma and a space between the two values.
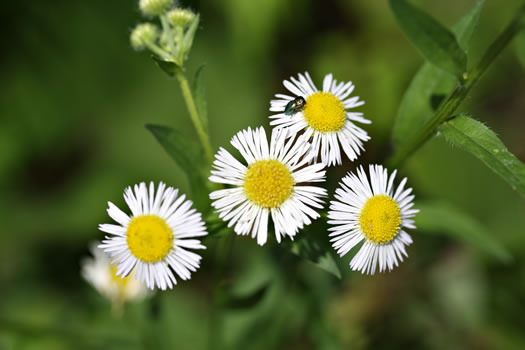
[465, 27]
[315, 252]
[430, 86]
[189, 158]
[474, 137]
[443, 218]
[187, 41]
[435, 42]
[199, 94]
[246, 301]
[167, 67]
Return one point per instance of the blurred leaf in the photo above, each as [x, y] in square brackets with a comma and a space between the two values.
[199, 94]
[246, 301]
[443, 218]
[167, 67]
[435, 42]
[317, 253]
[430, 85]
[188, 157]
[465, 27]
[474, 137]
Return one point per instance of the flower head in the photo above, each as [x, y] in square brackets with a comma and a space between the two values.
[156, 238]
[143, 34]
[179, 17]
[372, 211]
[155, 7]
[325, 118]
[101, 274]
[271, 183]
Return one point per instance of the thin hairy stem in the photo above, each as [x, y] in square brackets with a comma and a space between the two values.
[456, 97]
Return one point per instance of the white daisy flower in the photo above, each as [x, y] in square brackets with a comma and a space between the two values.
[373, 212]
[156, 238]
[101, 274]
[324, 118]
[270, 184]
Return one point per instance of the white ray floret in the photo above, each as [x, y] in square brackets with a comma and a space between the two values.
[270, 184]
[157, 238]
[370, 210]
[325, 119]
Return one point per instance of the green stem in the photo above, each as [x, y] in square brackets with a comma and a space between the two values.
[454, 100]
[192, 109]
[158, 51]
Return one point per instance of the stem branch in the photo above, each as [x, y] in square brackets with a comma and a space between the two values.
[454, 100]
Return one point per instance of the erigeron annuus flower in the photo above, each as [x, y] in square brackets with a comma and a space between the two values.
[156, 239]
[101, 274]
[372, 211]
[272, 183]
[325, 118]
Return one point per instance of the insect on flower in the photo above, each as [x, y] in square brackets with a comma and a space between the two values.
[295, 105]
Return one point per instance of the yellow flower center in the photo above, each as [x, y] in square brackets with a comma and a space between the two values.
[268, 183]
[324, 112]
[149, 238]
[118, 280]
[380, 219]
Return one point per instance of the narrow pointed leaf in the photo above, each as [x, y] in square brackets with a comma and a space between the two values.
[430, 85]
[199, 94]
[435, 42]
[317, 253]
[474, 137]
[443, 218]
[188, 157]
[187, 41]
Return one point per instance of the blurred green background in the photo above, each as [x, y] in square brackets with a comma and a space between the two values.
[74, 102]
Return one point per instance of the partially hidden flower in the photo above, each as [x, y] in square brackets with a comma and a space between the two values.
[273, 181]
[101, 274]
[325, 118]
[373, 211]
[158, 237]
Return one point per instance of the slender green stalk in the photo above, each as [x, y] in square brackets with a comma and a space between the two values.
[158, 51]
[454, 100]
[192, 109]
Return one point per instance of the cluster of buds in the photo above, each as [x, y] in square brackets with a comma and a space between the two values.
[172, 43]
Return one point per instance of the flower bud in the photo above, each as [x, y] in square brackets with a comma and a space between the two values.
[180, 17]
[154, 7]
[142, 34]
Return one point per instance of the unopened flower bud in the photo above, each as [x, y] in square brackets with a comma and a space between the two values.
[180, 17]
[142, 34]
[154, 7]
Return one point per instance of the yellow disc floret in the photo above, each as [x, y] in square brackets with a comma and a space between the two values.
[149, 238]
[268, 183]
[380, 219]
[324, 112]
